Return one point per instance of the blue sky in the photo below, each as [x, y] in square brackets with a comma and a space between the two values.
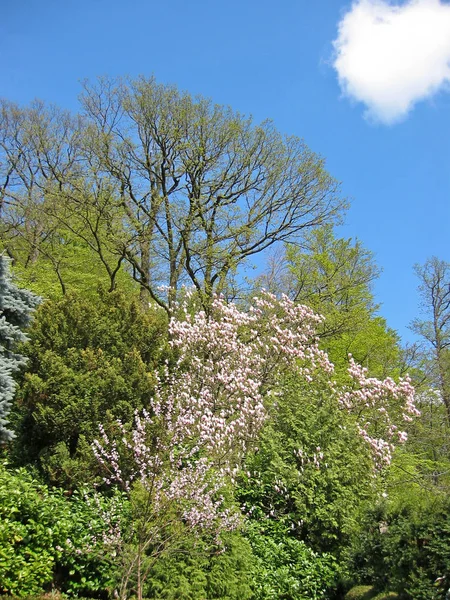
[275, 60]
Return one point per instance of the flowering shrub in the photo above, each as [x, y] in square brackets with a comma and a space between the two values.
[210, 406]
[186, 447]
[377, 404]
[48, 540]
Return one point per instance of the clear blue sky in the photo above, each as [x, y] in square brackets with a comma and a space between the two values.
[271, 60]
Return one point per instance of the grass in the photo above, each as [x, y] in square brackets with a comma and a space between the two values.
[367, 592]
[359, 592]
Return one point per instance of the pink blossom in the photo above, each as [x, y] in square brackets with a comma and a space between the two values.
[210, 406]
[383, 401]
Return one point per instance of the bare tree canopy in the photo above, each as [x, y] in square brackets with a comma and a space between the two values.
[434, 288]
[183, 190]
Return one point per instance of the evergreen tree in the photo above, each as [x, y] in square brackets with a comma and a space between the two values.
[92, 359]
[16, 306]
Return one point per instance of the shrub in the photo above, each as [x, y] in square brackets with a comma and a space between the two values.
[410, 554]
[90, 360]
[196, 573]
[50, 541]
[286, 567]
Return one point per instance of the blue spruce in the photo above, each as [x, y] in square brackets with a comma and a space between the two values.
[16, 307]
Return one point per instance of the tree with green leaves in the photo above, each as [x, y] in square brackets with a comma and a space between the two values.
[56, 234]
[91, 359]
[181, 189]
[16, 307]
[334, 276]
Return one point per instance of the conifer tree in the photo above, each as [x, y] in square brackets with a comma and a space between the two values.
[16, 307]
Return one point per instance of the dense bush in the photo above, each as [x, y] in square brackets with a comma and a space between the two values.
[406, 550]
[49, 541]
[196, 572]
[286, 567]
[301, 491]
[91, 360]
[311, 469]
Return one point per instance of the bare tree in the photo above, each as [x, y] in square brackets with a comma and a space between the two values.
[183, 190]
[434, 288]
[202, 188]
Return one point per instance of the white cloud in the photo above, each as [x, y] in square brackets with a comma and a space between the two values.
[391, 56]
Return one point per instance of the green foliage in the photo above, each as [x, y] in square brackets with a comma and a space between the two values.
[426, 460]
[302, 493]
[367, 592]
[334, 277]
[405, 549]
[334, 274]
[360, 592]
[286, 568]
[63, 263]
[415, 479]
[91, 361]
[194, 573]
[373, 345]
[311, 468]
[48, 540]
[169, 202]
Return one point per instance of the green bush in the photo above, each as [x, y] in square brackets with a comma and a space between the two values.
[286, 568]
[360, 592]
[311, 469]
[367, 592]
[50, 541]
[91, 361]
[409, 553]
[196, 573]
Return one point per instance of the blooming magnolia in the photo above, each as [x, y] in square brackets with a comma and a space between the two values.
[210, 405]
[376, 403]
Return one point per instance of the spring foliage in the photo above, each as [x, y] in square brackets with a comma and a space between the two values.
[209, 407]
[234, 447]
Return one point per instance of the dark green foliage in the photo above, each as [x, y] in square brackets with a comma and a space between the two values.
[406, 550]
[286, 568]
[302, 493]
[16, 306]
[91, 361]
[319, 492]
[48, 540]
